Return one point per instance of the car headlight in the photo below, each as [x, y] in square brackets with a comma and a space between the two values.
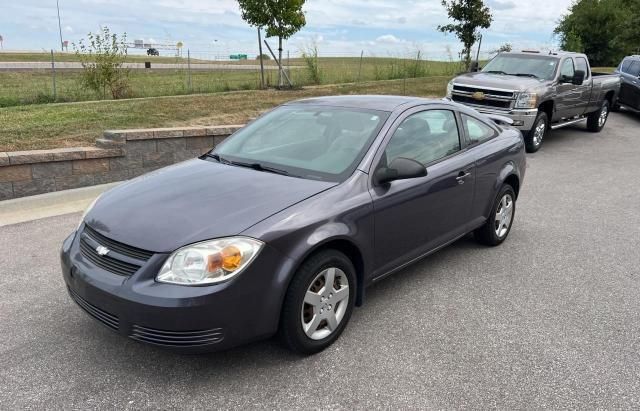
[86, 211]
[209, 262]
[527, 100]
[450, 89]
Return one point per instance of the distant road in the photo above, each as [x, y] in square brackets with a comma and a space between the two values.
[43, 65]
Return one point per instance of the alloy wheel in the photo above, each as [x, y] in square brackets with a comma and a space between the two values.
[538, 134]
[604, 114]
[504, 215]
[325, 303]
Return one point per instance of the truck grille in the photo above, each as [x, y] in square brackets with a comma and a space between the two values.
[121, 259]
[499, 99]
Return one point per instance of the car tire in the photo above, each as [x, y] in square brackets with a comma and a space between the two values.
[309, 324]
[497, 227]
[597, 120]
[535, 137]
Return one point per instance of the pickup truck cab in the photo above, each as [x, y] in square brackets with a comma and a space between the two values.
[539, 92]
[629, 71]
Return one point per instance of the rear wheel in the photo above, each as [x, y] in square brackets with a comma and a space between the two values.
[318, 303]
[535, 136]
[497, 227]
[597, 119]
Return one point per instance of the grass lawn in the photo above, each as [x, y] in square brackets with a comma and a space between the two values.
[33, 87]
[75, 124]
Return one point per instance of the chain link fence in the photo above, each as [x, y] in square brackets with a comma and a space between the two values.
[59, 79]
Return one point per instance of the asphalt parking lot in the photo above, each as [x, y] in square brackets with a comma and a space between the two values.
[549, 319]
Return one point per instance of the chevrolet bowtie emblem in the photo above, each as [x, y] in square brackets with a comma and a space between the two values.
[478, 95]
[102, 250]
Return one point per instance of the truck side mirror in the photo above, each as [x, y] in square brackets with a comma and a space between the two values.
[578, 77]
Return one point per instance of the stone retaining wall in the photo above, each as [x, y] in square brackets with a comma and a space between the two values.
[117, 156]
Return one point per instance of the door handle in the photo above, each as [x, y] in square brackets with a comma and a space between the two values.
[461, 176]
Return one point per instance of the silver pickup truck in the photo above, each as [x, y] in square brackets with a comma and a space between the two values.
[539, 92]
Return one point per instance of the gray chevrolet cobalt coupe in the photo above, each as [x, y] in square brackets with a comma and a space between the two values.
[281, 228]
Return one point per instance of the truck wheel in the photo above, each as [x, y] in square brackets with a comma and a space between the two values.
[535, 136]
[597, 119]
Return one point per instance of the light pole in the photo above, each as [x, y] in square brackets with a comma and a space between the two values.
[59, 26]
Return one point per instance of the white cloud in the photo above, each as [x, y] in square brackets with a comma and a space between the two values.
[388, 38]
[342, 26]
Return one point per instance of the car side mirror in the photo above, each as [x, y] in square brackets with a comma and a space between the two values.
[400, 169]
[578, 77]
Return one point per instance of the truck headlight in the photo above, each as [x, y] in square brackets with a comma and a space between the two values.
[450, 89]
[527, 100]
[209, 262]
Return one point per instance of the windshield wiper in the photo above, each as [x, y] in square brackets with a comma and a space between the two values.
[525, 75]
[217, 158]
[495, 72]
[260, 167]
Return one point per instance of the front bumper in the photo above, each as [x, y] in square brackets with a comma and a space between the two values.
[523, 119]
[180, 318]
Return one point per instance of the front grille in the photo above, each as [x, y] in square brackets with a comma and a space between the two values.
[504, 104]
[177, 338]
[471, 90]
[120, 248]
[106, 262]
[121, 259]
[104, 317]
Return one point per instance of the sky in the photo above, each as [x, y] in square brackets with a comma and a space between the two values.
[337, 27]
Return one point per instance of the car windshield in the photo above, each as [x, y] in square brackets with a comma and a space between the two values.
[314, 142]
[535, 66]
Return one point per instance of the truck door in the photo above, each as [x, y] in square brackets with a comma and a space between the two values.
[584, 90]
[568, 94]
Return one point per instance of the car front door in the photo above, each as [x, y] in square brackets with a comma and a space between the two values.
[568, 94]
[630, 87]
[417, 215]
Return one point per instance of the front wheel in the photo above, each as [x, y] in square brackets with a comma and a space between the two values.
[597, 119]
[535, 136]
[496, 229]
[318, 303]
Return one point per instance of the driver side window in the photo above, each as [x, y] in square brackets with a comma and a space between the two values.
[425, 137]
[567, 70]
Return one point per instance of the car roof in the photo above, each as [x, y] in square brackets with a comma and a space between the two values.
[371, 102]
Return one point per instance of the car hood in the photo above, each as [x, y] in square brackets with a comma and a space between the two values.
[499, 81]
[194, 201]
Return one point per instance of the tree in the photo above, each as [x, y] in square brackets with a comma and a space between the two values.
[505, 48]
[281, 18]
[102, 62]
[605, 30]
[470, 17]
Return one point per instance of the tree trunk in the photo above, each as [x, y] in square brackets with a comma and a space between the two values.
[280, 82]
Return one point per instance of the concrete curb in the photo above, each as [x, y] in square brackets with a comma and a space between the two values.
[24, 209]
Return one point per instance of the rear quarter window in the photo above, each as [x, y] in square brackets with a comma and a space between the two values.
[477, 130]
